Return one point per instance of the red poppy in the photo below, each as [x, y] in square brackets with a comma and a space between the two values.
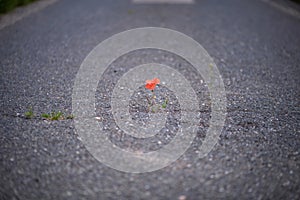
[151, 84]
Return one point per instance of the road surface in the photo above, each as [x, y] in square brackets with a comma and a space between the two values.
[256, 46]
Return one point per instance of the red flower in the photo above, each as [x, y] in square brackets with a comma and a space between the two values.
[151, 84]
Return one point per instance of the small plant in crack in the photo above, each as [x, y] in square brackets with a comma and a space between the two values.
[152, 106]
[29, 114]
[165, 103]
[56, 116]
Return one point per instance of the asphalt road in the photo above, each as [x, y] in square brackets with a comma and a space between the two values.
[256, 47]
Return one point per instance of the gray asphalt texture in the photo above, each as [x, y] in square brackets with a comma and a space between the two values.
[257, 50]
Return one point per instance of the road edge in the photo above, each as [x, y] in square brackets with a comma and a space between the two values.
[22, 12]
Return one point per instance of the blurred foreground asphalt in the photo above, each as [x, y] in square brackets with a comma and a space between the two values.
[256, 47]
